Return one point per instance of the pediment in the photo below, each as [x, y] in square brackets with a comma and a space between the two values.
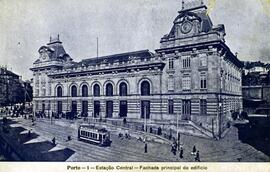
[187, 16]
[45, 49]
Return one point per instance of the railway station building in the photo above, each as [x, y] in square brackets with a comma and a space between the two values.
[193, 76]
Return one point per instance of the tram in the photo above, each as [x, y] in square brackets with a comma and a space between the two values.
[94, 135]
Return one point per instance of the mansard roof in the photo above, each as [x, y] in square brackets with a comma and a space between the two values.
[201, 16]
[55, 50]
[123, 57]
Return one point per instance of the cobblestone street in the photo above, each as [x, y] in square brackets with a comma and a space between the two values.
[228, 149]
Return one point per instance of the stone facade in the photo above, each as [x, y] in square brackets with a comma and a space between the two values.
[11, 88]
[193, 75]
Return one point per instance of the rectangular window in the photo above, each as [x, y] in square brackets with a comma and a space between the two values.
[186, 83]
[203, 107]
[186, 62]
[171, 64]
[203, 81]
[43, 92]
[37, 92]
[170, 107]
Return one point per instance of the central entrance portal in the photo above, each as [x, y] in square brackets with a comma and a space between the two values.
[109, 109]
[123, 109]
[186, 110]
[145, 109]
[84, 108]
[74, 107]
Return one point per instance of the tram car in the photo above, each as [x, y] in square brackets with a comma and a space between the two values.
[94, 135]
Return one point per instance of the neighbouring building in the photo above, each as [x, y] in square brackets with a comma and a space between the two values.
[12, 89]
[256, 86]
[193, 76]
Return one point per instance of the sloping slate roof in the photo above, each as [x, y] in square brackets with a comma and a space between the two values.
[8, 72]
[58, 50]
[124, 57]
[206, 22]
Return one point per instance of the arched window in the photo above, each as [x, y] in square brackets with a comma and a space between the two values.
[123, 89]
[145, 88]
[59, 91]
[109, 89]
[73, 91]
[84, 91]
[96, 90]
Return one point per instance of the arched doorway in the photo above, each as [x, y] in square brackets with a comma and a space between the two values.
[84, 91]
[145, 104]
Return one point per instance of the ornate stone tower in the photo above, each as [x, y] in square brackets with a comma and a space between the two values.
[198, 64]
[51, 57]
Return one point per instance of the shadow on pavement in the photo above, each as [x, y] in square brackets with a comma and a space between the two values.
[257, 136]
[59, 155]
[40, 152]
[36, 151]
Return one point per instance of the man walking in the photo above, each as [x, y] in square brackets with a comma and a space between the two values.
[193, 150]
[181, 152]
[197, 157]
[145, 148]
[53, 141]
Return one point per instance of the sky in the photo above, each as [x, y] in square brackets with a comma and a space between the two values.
[121, 26]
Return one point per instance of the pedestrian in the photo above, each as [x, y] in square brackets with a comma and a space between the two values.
[29, 133]
[173, 149]
[197, 157]
[145, 148]
[181, 152]
[193, 150]
[53, 141]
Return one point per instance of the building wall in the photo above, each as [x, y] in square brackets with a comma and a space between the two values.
[168, 74]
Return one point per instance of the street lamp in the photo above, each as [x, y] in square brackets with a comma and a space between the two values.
[220, 104]
[145, 119]
[177, 130]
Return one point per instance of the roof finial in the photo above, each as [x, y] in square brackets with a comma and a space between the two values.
[202, 3]
[58, 37]
[50, 39]
[183, 4]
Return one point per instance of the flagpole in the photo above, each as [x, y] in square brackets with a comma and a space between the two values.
[97, 46]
